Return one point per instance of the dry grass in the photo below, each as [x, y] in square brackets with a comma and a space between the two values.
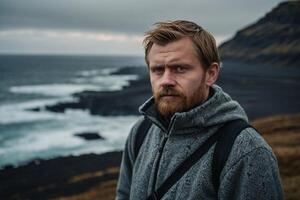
[283, 135]
[103, 191]
[82, 177]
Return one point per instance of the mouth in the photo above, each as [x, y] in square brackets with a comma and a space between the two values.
[169, 97]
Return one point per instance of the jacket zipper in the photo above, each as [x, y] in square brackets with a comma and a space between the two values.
[160, 151]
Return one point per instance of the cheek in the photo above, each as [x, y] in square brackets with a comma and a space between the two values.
[191, 86]
[154, 82]
[154, 86]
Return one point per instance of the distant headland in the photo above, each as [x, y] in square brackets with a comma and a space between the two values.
[273, 39]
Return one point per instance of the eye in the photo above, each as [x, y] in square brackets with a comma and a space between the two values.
[157, 70]
[180, 69]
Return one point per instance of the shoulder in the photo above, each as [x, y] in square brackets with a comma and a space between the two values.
[249, 146]
[251, 171]
[249, 139]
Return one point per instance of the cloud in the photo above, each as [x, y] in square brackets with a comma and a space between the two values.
[35, 41]
[54, 34]
[130, 16]
[117, 22]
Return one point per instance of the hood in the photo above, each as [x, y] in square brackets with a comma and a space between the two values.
[218, 109]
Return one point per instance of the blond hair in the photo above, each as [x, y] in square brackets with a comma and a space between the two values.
[170, 31]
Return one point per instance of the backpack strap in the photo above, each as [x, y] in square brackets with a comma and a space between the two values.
[230, 128]
[142, 131]
[230, 131]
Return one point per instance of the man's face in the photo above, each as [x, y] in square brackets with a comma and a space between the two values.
[177, 77]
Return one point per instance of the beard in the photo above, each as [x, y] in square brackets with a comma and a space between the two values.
[179, 101]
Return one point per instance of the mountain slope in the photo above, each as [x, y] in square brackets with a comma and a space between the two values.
[274, 39]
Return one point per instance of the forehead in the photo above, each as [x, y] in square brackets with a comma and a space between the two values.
[180, 50]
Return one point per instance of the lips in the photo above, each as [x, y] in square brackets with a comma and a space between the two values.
[169, 97]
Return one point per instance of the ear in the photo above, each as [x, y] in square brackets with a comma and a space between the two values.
[212, 74]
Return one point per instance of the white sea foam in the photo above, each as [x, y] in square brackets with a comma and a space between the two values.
[18, 112]
[94, 83]
[108, 71]
[96, 72]
[113, 82]
[88, 72]
[56, 90]
[107, 83]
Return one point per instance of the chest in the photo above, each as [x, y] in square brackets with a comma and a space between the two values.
[159, 157]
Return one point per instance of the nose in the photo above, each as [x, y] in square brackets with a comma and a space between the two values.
[168, 79]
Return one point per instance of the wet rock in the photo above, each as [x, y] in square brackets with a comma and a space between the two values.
[90, 136]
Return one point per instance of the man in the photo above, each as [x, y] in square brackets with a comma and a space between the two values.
[185, 110]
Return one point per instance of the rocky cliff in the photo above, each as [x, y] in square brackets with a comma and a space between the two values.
[272, 40]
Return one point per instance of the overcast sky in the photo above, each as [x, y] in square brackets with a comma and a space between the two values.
[111, 26]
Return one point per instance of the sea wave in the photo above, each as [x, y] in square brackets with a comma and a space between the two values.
[27, 134]
[20, 112]
[97, 83]
[95, 72]
[57, 138]
[107, 83]
[85, 73]
[56, 90]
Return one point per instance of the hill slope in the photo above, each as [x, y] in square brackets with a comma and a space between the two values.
[274, 39]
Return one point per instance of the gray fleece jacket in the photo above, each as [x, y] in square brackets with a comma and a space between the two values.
[251, 171]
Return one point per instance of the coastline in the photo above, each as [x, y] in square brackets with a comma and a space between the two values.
[261, 90]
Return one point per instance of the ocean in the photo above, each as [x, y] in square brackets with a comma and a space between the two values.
[35, 81]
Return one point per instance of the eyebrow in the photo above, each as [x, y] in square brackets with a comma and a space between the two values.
[179, 64]
[170, 65]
